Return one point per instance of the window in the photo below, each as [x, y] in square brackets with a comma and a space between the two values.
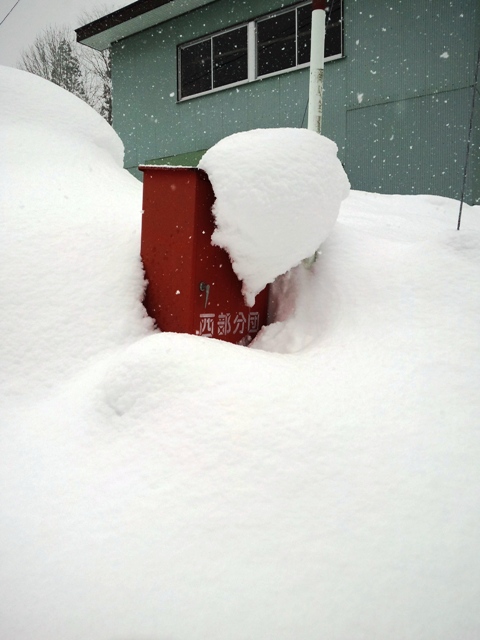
[230, 57]
[271, 44]
[334, 30]
[276, 43]
[196, 66]
[283, 40]
[214, 62]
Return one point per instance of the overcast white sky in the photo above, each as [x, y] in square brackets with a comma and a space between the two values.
[30, 17]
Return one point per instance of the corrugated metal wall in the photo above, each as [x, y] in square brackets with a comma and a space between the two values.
[410, 70]
[398, 105]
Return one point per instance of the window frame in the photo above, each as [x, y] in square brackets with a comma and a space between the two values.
[252, 52]
[291, 9]
[210, 38]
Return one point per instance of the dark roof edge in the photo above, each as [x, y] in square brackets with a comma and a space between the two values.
[118, 17]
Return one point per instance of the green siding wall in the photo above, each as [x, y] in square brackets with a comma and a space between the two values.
[408, 103]
[398, 105]
[416, 145]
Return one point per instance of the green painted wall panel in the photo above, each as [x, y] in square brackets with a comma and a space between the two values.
[402, 134]
[403, 49]
[386, 50]
[237, 113]
[293, 100]
[451, 50]
[415, 145]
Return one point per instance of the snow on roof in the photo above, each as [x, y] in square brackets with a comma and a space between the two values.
[133, 18]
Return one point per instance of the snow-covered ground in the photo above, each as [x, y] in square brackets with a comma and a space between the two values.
[323, 484]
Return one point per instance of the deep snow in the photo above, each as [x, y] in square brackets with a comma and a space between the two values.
[322, 484]
[277, 197]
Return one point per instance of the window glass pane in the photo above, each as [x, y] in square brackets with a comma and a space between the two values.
[230, 59]
[304, 26]
[333, 34]
[276, 43]
[196, 68]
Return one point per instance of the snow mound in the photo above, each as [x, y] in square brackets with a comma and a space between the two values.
[278, 194]
[26, 100]
[71, 280]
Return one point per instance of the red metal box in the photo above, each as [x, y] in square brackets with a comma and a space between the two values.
[192, 287]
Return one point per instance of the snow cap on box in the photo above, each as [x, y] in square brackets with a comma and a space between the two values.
[278, 194]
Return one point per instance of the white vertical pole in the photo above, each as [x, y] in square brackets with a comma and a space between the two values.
[317, 54]
[252, 71]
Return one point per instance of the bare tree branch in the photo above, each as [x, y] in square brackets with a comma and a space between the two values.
[56, 56]
[98, 65]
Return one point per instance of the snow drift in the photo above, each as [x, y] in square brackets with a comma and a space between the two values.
[277, 196]
[70, 218]
[322, 485]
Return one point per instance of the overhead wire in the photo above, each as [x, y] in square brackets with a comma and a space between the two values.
[9, 12]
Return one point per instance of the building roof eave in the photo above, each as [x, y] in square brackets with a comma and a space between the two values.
[133, 18]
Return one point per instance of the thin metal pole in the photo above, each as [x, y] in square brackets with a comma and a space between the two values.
[470, 129]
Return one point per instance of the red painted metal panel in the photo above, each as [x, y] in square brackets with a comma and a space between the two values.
[182, 265]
